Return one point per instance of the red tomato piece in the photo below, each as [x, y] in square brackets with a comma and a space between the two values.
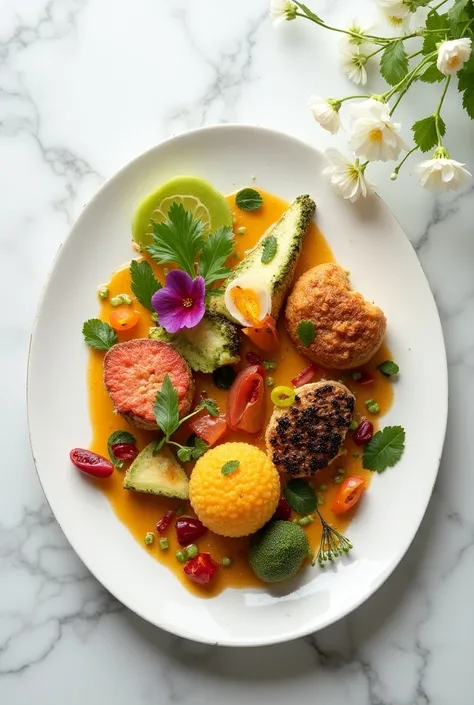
[264, 335]
[305, 377]
[246, 401]
[201, 569]
[165, 521]
[349, 494]
[125, 451]
[91, 463]
[189, 530]
[209, 428]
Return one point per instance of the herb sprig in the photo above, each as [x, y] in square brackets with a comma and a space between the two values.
[385, 449]
[114, 439]
[98, 334]
[144, 283]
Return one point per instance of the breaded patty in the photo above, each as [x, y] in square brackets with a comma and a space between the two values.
[133, 373]
[307, 436]
[348, 329]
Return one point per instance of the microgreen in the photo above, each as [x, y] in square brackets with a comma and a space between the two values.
[270, 247]
[230, 466]
[306, 332]
[248, 199]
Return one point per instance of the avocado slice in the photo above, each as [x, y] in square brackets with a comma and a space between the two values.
[289, 232]
[213, 343]
[159, 474]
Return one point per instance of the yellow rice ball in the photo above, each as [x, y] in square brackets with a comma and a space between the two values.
[238, 503]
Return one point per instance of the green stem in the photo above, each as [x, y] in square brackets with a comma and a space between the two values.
[412, 56]
[408, 79]
[438, 110]
[399, 166]
[319, 22]
[433, 9]
[377, 51]
[352, 97]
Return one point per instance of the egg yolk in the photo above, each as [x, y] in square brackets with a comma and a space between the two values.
[247, 303]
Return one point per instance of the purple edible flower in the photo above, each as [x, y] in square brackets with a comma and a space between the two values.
[180, 303]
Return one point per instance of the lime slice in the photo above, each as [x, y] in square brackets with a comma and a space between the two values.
[196, 195]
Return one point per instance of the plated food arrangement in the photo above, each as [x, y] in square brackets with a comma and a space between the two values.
[236, 383]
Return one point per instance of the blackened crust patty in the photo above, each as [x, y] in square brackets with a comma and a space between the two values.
[307, 436]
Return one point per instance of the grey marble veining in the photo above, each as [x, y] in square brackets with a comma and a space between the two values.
[84, 86]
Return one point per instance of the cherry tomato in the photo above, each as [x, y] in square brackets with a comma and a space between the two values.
[246, 401]
[264, 335]
[125, 451]
[207, 427]
[165, 521]
[91, 463]
[305, 376]
[123, 318]
[189, 530]
[349, 494]
[201, 569]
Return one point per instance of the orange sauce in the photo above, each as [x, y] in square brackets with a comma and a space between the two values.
[140, 512]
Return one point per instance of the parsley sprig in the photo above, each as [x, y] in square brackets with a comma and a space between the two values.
[166, 411]
[180, 240]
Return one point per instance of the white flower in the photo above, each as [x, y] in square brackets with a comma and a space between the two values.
[357, 27]
[397, 21]
[281, 10]
[347, 177]
[353, 61]
[326, 112]
[374, 135]
[441, 173]
[453, 55]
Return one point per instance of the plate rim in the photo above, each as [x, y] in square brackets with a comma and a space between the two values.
[285, 636]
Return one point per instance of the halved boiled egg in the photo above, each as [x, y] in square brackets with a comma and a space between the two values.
[248, 300]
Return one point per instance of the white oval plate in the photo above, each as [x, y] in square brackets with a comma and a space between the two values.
[367, 240]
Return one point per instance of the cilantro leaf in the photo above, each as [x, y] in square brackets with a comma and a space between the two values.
[114, 439]
[300, 496]
[210, 405]
[468, 100]
[432, 74]
[385, 449]
[270, 247]
[177, 240]
[248, 199]
[230, 466]
[424, 132]
[165, 407]
[394, 63]
[144, 282]
[306, 332]
[215, 251]
[98, 334]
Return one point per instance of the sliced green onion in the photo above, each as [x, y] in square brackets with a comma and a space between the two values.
[121, 300]
[149, 538]
[191, 551]
[226, 561]
[164, 543]
[104, 292]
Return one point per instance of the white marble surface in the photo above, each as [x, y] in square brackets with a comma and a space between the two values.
[84, 86]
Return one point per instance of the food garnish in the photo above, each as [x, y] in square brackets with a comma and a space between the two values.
[385, 449]
[188, 530]
[240, 503]
[201, 569]
[306, 332]
[164, 544]
[180, 303]
[363, 377]
[98, 334]
[364, 432]
[300, 496]
[372, 406]
[123, 318]
[305, 376]
[278, 551]
[283, 396]
[119, 439]
[144, 283]
[165, 521]
[149, 538]
[389, 368]
[246, 401]
[283, 510]
[91, 463]
[121, 300]
[349, 494]
[333, 544]
[103, 292]
[269, 365]
[270, 247]
[248, 199]
[230, 466]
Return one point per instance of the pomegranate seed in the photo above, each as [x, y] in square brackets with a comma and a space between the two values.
[125, 451]
[189, 530]
[364, 432]
[283, 510]
[91, 463]
[201, 569]
[254, 358]
[165, 521]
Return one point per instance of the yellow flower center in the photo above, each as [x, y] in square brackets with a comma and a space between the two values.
[453, 62]
[395, 21]
[187, 303]
[375, 135]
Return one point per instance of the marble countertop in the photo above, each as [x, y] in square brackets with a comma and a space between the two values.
[85, 85]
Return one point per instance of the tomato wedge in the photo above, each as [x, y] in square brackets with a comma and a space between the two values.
[246, 401]
[305, 376]
[349, 494]
[264, 335]
[209, 428]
